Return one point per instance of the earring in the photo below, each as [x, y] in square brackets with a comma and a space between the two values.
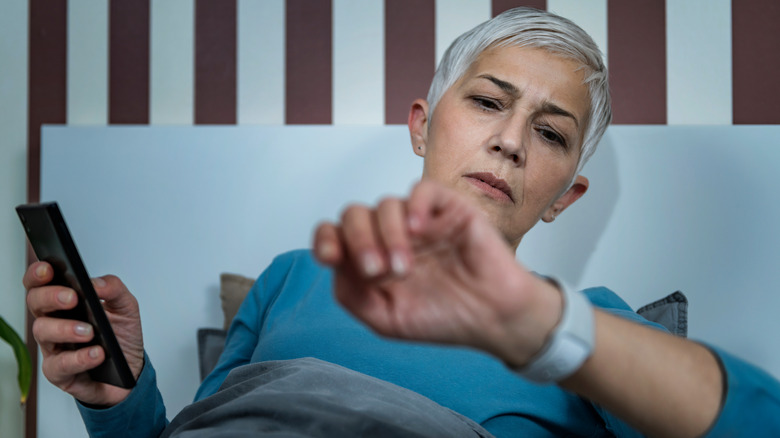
[552, 216]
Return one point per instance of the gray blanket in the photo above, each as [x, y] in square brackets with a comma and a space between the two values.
[311, 398]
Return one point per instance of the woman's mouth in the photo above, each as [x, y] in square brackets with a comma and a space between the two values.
[491, 185]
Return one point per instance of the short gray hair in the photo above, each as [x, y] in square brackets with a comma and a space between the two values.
[527, 27]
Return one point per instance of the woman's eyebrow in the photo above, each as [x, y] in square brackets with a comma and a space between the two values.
[547, 107]
[507, 87]
[551, 108]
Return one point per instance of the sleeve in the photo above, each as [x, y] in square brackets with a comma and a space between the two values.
[140, 415]
[751, 404]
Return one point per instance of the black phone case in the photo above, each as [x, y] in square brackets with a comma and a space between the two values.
[52, 243]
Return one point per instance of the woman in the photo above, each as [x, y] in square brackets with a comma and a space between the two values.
[515, 109]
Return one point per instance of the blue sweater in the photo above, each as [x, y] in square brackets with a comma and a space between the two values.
[291, 313]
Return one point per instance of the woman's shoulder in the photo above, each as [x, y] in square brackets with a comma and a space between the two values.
[605, 298]
[296, 267]
[297, 259]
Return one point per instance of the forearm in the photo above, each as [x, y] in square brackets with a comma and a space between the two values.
[660, 384]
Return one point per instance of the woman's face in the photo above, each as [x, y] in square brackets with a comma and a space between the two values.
[508, 134]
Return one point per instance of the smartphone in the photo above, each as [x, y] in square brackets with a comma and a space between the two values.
[52, 243]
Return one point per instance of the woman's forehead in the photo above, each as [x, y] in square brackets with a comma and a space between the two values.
[525, 58]
[558, 79]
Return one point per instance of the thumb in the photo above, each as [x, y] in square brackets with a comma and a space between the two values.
[115, 295]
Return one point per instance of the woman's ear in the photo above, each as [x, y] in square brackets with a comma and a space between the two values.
[418, 126]
[574, 193]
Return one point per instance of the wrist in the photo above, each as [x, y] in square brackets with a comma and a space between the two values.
[529, 331]
[569, 345]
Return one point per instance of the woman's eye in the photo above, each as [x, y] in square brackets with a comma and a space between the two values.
[487, 103]
[552, 136]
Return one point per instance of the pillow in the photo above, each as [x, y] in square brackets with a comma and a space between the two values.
[211, 342]
[233, 289]
[670, 311]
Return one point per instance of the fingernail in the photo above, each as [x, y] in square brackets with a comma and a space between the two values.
[98, 281]
[41, 270]
[327, 251]
[398, 262]
[65, 297]
[94, 352]
[370, 264]
[82, 329]
[413, 223]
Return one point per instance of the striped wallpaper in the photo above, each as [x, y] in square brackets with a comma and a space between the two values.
[185, 62]
[364, 61]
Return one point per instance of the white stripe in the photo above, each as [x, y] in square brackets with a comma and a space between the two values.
[13, 165]
[260, 81]
[590, 15]
[453, 17]
[171, 62]
[698, 63]
[87, 98]
[358, 62]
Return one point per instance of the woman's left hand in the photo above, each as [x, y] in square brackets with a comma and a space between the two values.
[433, 268]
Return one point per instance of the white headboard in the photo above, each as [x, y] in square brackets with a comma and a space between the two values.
[169, 208]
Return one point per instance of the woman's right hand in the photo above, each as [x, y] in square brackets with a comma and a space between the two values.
[67, 369]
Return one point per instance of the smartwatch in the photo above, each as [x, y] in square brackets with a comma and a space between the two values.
[570, 344]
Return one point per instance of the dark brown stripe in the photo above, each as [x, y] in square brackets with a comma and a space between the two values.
[309, 64]
[128, 62]
[47, 79]
[215, 62]
[410, 55]
[47, 91]
[637, 61]
[755, 61]
[500, 6]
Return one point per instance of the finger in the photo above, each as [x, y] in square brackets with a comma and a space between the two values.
[115, 295]
[438, 214]
[44, 300]
[37, 274]
[391, 219]
[62, 367]
[49, 332]
[436, 211]
[326, 245]
[360, 236]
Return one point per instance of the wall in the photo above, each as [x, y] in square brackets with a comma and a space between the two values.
[13, 147]
[186, 62]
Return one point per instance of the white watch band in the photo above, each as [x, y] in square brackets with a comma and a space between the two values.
[570, 344]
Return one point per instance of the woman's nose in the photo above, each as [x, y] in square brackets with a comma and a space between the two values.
[509, 142]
